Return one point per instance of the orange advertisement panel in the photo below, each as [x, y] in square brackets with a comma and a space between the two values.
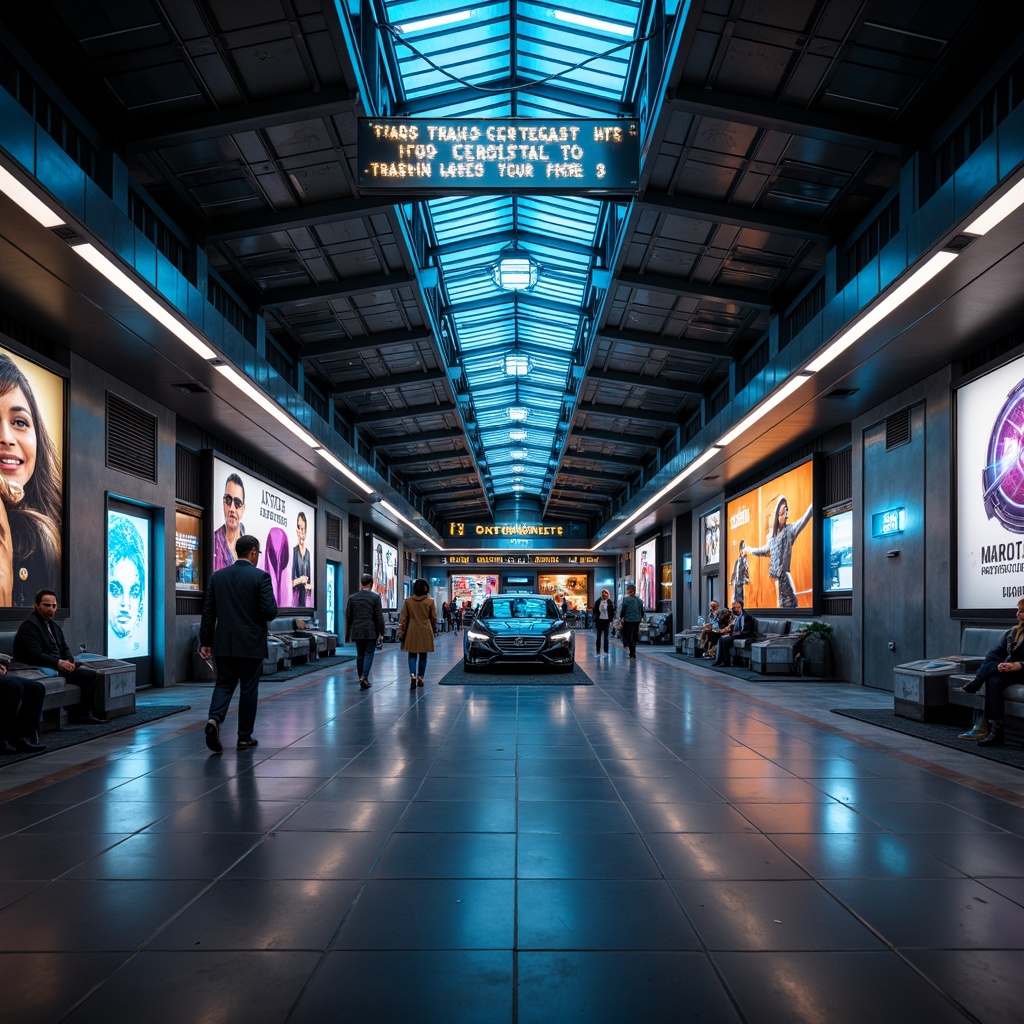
[771, 542]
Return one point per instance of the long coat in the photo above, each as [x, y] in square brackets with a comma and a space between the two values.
[416, 624]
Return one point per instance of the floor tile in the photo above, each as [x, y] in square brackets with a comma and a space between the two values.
[574, 816]
[860, 855]
[725, 856]
[542, 855]
[40, 988]
[447, 855]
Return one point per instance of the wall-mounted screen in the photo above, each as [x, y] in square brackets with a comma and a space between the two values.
[666, 581]
[128, 585]
[385, 572]
[330, 596]
[573, 588]
[284, 526]
[837, 550]
[32, 482]
[646, 559]
[188, 550]
[473, 587]
[768, 528]
[711, 535]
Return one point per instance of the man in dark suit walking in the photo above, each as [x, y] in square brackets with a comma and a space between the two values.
[239, 604]
[743, 627]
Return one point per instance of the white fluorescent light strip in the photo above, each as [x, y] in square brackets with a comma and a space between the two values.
[412, 526]
[874, 316]
[438, 22]
[142, 298]
[998, 211]
[780, 395]
[28, 200]
[267, 404]
[596, 23]
[670, 486]
[342, 468]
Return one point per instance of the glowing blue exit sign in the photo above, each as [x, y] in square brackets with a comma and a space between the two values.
[885, 524]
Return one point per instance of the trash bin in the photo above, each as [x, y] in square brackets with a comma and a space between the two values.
[920, 689]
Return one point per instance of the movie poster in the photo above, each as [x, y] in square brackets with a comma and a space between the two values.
[711, 534]
[990, 489]
[645, 560]
[474, 588]
[771, 542]
[284, 526]
[31, 481]
[385, 572]
[128, 585]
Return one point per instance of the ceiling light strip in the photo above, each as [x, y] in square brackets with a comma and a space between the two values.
[266, 403]
[412, 526]
[998, 211]
[340, 466]
[775, 398]
[28, 200]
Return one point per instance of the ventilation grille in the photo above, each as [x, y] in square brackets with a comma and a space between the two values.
[333, 531]
[838, 477]
[188, 476]
[897, 429]
[131, 439]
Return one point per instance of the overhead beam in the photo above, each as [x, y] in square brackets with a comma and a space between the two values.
[589, 434]
[509, 299]
[682, 345]
[151, 133]
[599, 457]
[739, 216]
[621, 412]
[635, 380]
[775, 117]
[309, 215]
[397, 380]
[422, 437]
[679, 286]
[498, 240]
[412, 461]
[335, 289]
[390, 415]
[343, 345]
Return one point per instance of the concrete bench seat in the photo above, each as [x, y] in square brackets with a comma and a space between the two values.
[975, 644]
[768, 628]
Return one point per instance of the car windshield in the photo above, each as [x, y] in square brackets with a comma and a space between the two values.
[519, 608]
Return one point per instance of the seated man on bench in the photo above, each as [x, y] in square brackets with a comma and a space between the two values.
[21, 705]
[743, 627]
[40, 641]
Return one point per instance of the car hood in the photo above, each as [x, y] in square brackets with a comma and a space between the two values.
[519, 627]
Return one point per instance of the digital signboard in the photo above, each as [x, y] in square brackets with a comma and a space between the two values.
[506, 155]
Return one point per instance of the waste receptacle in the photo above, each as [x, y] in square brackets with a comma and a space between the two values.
[920, 689]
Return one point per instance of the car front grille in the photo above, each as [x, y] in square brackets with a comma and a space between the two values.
[519, 644]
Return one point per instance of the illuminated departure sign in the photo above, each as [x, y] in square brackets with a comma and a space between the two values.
[512, 154]
[515, 560]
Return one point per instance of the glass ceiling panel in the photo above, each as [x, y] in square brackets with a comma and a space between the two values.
[457, 60]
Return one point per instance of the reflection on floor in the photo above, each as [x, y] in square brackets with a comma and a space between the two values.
[665, 845]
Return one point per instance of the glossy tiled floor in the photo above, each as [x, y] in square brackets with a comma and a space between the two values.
[665, 845]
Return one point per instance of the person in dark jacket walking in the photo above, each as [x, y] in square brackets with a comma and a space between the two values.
[239, 603]
[364, 624]
[631, 614]
[604, 612]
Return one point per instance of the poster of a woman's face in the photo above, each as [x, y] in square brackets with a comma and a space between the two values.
[31, 479]
[127, 586]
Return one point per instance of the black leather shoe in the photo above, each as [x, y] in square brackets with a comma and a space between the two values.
[973, 686]
[247, 742]
[364, 684]
[213, 736]
[995, 736]
[26, 746]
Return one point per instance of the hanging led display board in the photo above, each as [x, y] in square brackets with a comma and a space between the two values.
[503, 155]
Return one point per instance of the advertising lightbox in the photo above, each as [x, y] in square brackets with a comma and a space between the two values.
[385, 572]
[768, 527]
[128, 585]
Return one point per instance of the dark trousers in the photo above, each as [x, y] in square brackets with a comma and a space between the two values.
[995, 683]
[230, 673]
[603, 628]
[417, 663]
[365, 650]
[725, 645]
[85, 679]
[21, 706]
[630, 632]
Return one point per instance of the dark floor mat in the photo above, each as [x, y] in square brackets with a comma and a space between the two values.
[747, 675]
[516, 675]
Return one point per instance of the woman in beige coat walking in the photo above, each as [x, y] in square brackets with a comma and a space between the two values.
[416, 627]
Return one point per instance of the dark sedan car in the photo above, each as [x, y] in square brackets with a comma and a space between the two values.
[519, 629]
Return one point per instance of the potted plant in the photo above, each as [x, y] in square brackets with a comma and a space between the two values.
[817, 649]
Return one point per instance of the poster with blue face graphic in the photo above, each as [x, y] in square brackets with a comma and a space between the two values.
[128, 586]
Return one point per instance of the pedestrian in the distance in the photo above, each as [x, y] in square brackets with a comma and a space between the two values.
[364, 624]
[631, 614]
[604, 612]
[239, 604]
[416, 627]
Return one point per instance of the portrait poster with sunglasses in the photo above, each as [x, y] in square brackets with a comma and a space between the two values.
[31, 479]
[284, 526]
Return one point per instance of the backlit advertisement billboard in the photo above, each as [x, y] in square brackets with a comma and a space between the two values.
[771, 529]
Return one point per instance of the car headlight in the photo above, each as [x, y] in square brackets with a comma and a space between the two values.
[563, 636]
[475, 636]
